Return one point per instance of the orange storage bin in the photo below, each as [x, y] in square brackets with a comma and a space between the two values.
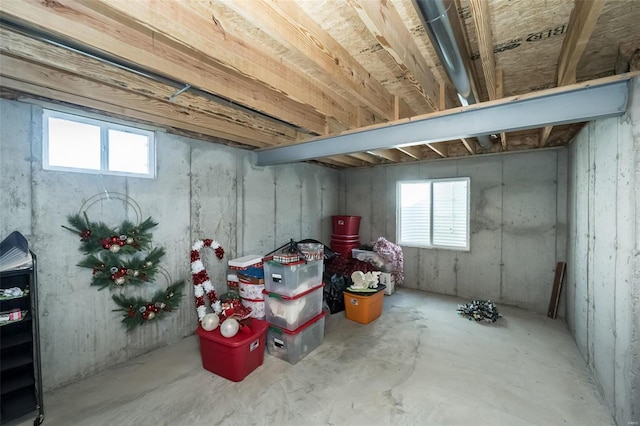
[363, 307]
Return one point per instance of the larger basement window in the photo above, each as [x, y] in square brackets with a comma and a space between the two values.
[434, 213]
[80, 144]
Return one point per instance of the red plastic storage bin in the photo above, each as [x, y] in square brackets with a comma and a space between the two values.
[346, 225]
[233, 358]
[345, 249]
[345, 239]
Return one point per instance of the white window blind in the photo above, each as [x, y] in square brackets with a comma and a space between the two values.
[415, 213]
[434, 213]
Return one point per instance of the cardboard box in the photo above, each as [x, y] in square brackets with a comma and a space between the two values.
[389, 281]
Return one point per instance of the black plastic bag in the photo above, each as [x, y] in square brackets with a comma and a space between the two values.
[333, 292]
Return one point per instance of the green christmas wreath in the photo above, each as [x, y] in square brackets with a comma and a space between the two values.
[137, 311]
[122, 256]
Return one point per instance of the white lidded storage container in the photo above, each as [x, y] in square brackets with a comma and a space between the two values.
[256, 305]
[245, 262]
[290, 312]
[293, 278]
[292, 346]
[249, 290]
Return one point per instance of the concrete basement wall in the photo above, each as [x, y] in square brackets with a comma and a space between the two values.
[603, 270]
[202, 190]
[518, 216]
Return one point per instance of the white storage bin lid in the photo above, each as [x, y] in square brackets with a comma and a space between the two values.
[245, 261]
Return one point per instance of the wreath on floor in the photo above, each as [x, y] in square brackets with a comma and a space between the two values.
[479, 310]
[122, 256]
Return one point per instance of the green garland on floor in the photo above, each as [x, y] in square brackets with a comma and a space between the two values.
[138, 311]
[479, 310]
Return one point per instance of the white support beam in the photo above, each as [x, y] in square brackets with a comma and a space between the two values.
[570, 104]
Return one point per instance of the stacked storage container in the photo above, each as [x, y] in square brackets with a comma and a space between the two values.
[363, 307]
[346, 234]
[249, 279]
[233, 357]
[293, 307]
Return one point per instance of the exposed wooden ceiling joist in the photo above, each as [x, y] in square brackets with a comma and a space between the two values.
[412, 151]
[76, 86]
[581, 25]
[276, 72]
[231, 121]
[582, 22]
[438, 149]
[293, 28]
[480, 12]
[160, 54]
[382, 19]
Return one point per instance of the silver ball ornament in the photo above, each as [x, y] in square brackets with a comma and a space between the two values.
[210, 322]
[229, 327]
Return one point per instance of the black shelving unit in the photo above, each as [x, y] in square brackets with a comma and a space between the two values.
[20, 370]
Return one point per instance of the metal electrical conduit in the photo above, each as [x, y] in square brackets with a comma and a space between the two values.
[443, 27]
[128, 66]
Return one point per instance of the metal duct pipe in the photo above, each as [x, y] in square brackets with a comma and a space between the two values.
[440, 20]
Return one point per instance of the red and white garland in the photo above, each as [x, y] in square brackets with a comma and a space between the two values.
[201, 280]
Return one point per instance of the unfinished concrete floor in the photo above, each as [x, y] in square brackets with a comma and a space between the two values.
[418, 364]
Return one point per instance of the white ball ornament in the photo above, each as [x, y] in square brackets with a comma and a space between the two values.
[210, 322]
[229, 327]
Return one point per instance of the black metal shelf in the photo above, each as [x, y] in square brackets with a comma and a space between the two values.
[14, 338]
[18, 403]
[22, 379]
[15, 361]
[20, 370]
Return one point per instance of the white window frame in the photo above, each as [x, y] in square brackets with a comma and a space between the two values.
[431, 245]
[104, 126]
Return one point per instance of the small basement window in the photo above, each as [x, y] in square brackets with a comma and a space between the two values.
[434, 213]
[74, 143]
